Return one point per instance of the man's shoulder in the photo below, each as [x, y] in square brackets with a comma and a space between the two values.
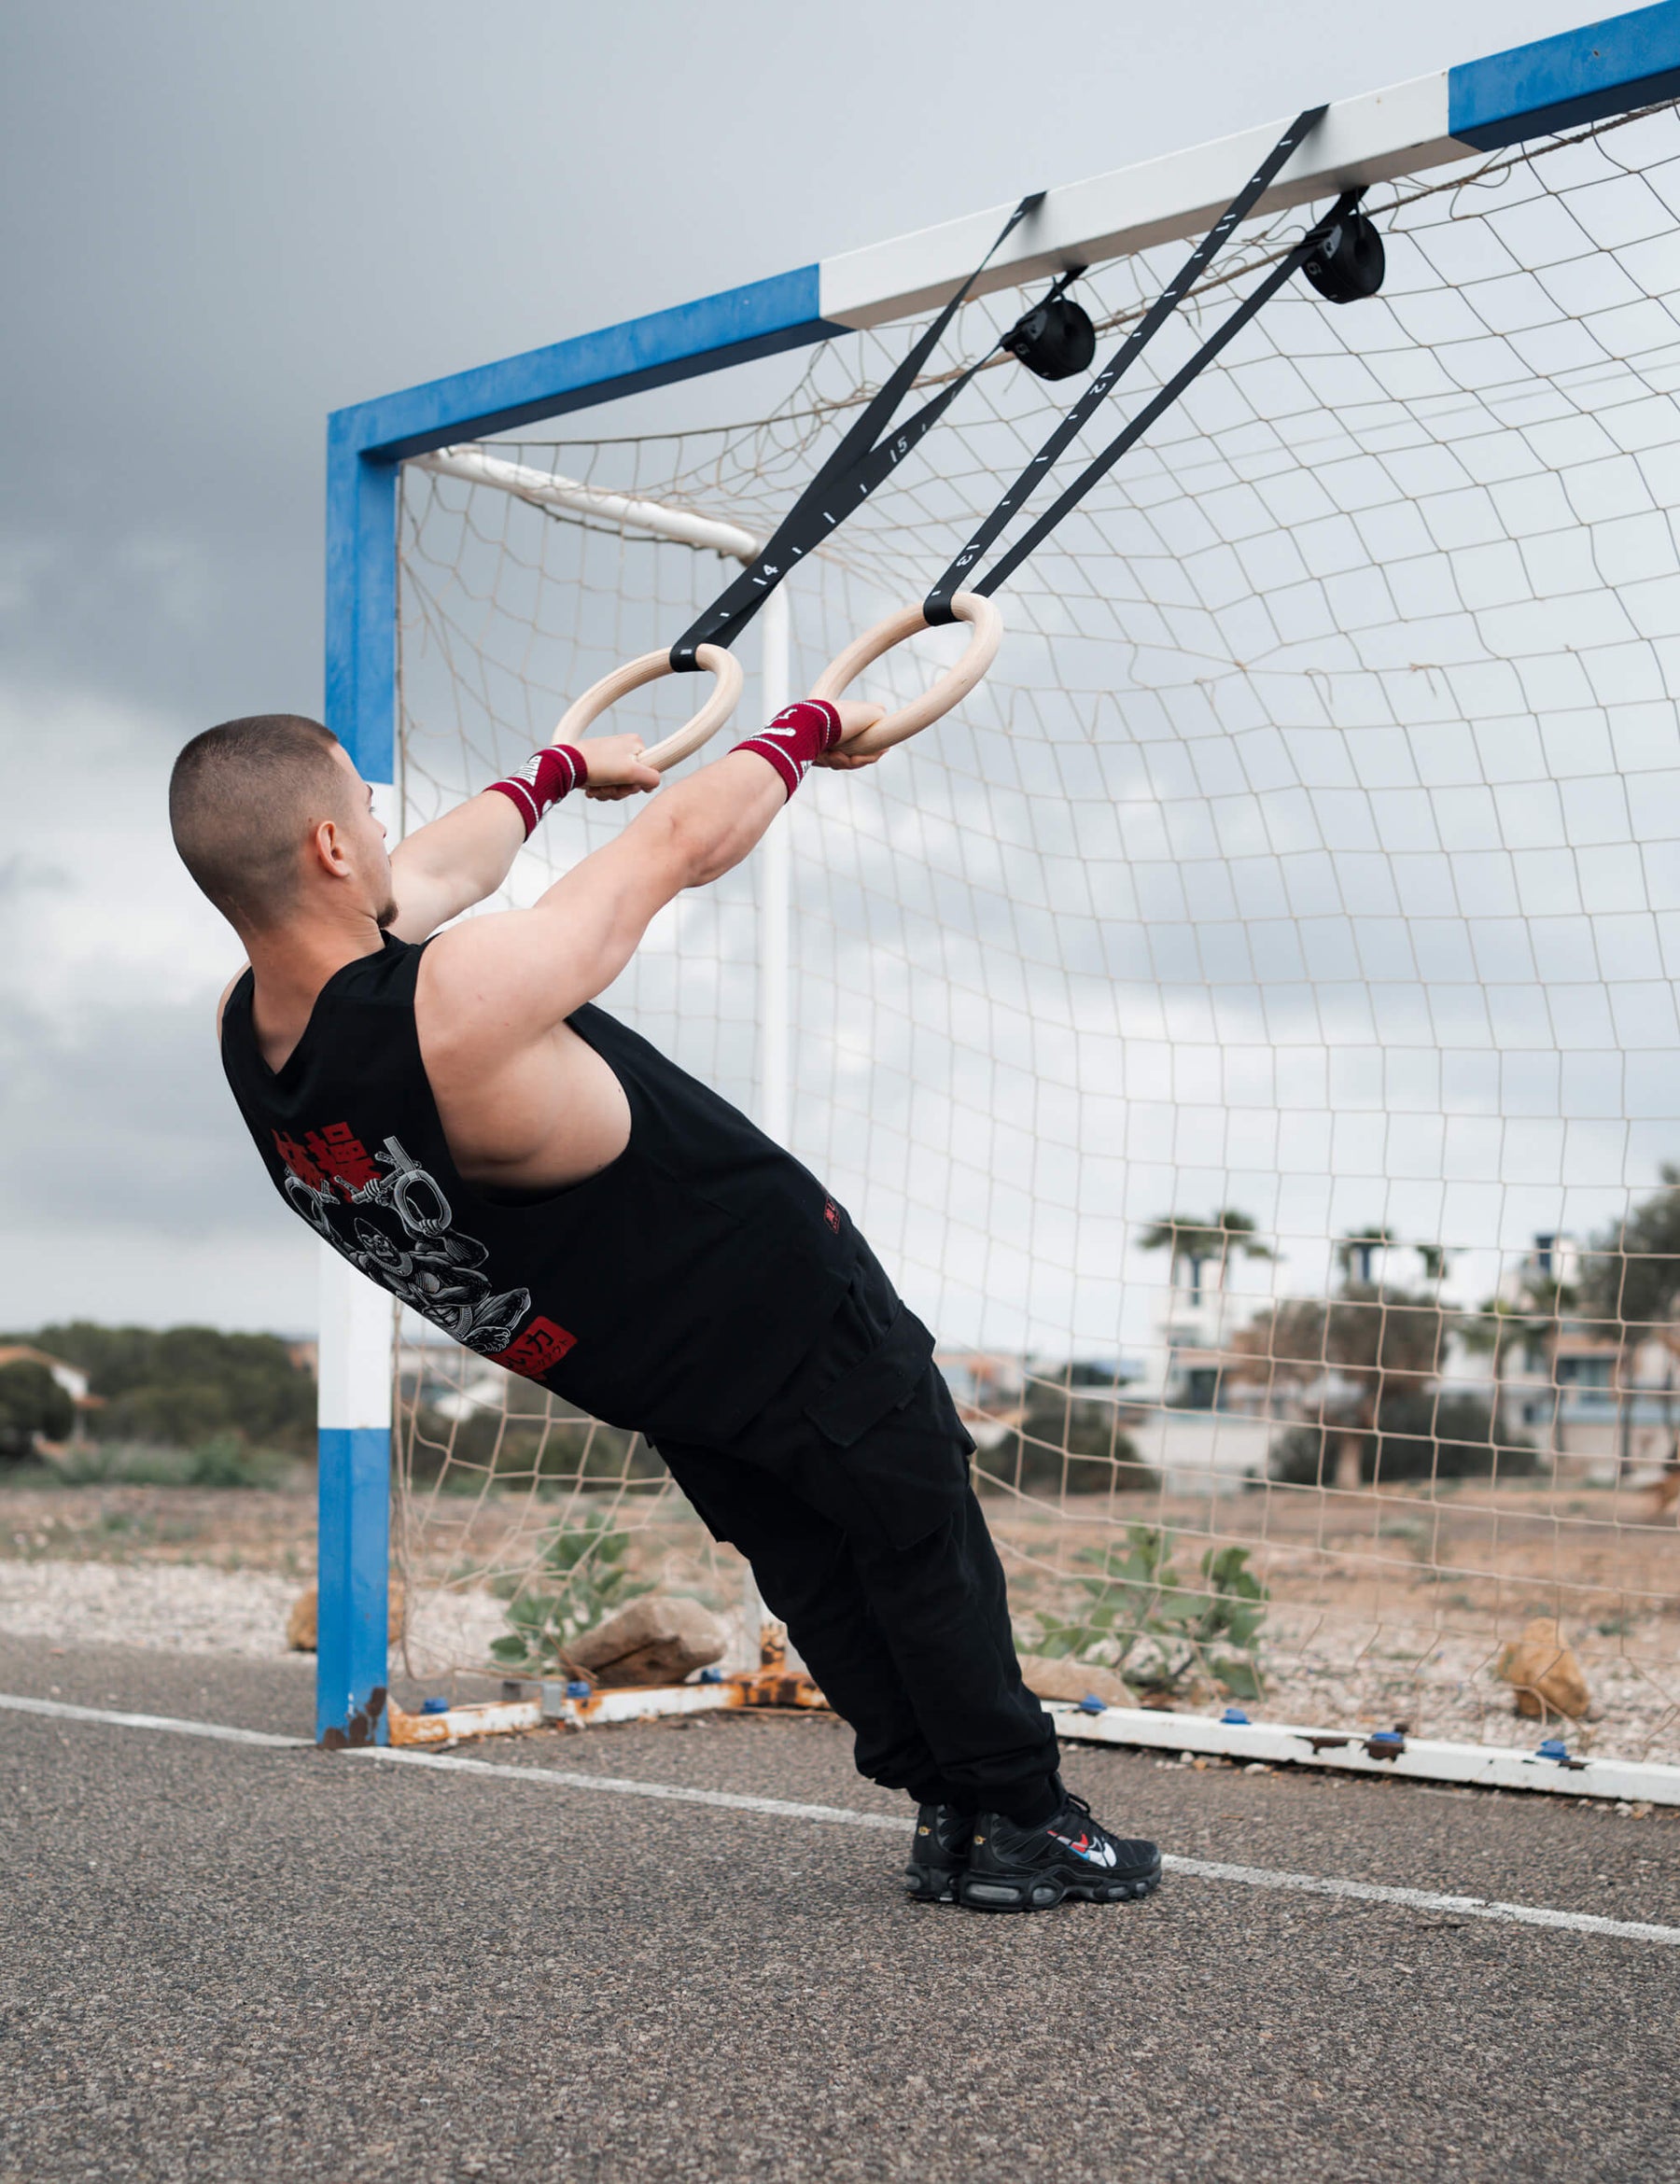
[466, 959]
[227, 992]
[468, 975]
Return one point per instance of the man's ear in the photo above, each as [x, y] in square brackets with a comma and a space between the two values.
[326, 846]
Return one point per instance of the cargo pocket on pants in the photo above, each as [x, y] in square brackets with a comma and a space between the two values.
[845, 1410]
[893, 1432]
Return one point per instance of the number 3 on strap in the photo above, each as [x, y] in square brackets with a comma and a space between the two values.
[725, 696]
[985, 625]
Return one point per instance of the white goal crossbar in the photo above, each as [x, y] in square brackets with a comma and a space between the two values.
[683, 526]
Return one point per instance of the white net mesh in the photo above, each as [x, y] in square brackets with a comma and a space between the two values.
[1247, 1028]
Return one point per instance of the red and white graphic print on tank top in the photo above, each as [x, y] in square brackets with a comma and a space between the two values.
[674, 1290]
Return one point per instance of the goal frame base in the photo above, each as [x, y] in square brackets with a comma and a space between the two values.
[1143, 1728]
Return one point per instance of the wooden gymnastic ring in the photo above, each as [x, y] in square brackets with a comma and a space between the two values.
[947, 691]
[649, 669]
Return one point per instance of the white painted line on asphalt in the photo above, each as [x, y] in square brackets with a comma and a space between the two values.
[1470, 1907]
[59, 1711]
[670, 1793]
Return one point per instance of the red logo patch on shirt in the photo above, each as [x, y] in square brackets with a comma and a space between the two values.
[332, 1154]
[538, 1348]
[831, 1213]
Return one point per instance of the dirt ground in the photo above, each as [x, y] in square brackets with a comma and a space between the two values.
[1383, 1608]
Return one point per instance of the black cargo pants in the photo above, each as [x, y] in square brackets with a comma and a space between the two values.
[849, 1495]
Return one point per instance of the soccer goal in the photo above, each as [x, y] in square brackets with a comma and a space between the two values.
[1245, 1026]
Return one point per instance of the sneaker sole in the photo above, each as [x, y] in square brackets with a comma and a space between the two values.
[930, 1884]
[1030, 1891]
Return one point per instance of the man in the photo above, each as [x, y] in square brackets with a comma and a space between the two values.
[452, 1114]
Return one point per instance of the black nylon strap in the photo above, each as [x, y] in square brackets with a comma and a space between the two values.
[851, 472]
[938, 603]
[1163, 401]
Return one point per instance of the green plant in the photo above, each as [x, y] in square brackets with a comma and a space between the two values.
[584, 1560]
[223, 1460]
[32, 1403]
[1412, 1434]
[1153, 1623]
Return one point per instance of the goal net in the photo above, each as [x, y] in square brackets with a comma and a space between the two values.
[1245, 1029]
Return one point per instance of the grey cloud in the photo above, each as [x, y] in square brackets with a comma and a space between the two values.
[118, 1118]
[22, 876]
[224, 221]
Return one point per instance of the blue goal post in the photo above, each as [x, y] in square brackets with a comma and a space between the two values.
[1580, 76]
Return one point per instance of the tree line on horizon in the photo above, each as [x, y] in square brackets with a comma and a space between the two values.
[180, 1388]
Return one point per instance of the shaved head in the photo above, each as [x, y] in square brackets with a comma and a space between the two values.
[244, 800]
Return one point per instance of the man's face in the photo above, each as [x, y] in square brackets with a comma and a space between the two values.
[365, 837]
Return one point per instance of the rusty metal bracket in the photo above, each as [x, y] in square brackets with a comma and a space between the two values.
[772, 1684]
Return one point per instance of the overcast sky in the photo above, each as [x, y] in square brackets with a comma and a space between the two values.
[222, 221]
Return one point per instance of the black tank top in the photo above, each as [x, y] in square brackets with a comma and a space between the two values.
[673, 1291]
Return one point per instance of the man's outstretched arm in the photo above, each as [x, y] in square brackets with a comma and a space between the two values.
[451, 863]
[513, 977]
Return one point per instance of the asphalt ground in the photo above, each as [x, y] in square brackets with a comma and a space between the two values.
[222, 1961]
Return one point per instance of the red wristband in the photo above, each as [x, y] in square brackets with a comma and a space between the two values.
[537, 788]
[799, 734]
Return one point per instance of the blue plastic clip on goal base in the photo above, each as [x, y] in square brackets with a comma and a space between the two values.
[434, 1705]
[1090, 1703]
[1551, 1748]
[577, 1688]
[1234, 1715]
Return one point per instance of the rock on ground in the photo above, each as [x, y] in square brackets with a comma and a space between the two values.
[655, 1640]
[300, 1623]
[1073, 1680]
[1547, 1675]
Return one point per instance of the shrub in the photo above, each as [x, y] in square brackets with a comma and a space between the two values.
[584, 1559]
[1147, 1618]
[224, 1462]
[1418, 1436]
[1068, 1443]
[32, 1403]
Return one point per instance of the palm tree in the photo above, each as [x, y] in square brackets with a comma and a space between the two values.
[1192, 1243]
[1374, 1355]
[1501, 1327]
[1384, 1344]
[1353, 1251]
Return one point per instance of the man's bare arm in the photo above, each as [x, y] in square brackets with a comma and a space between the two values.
[452, 863]
[507, 980]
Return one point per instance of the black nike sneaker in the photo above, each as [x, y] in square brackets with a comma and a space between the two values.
[938, 1854]
[1011, 1868]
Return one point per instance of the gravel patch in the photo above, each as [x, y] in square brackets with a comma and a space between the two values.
[187, 1607]
[180, 1607]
